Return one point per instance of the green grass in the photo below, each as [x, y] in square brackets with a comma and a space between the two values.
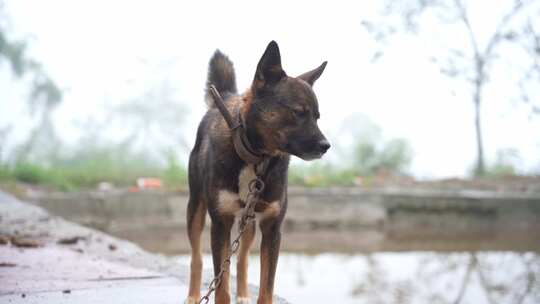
[175, 174]
[317, 175]
[66, 176]
[118, 165]
[85, 176]
[31, 174]
[5, 173]
[87, 171]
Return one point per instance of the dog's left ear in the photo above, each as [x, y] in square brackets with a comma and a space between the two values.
[311, 76]
[269, 70]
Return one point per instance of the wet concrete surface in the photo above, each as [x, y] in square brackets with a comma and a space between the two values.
[62, 275]
[163, 292]
[56, 268]
[45, 259]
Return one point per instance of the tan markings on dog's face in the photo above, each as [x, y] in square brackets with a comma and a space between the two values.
[228, 202]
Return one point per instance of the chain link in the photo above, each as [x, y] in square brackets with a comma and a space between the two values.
[255, 188]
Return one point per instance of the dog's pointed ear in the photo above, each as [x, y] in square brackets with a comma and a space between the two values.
[269, 70]
[311, 76]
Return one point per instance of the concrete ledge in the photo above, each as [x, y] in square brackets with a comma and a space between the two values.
[308, 208]
[51, 260]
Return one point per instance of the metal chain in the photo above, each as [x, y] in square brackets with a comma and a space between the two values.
[255, 188]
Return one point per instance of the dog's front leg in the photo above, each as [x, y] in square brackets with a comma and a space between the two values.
[221, 237]
[242, 293]
[271, 240]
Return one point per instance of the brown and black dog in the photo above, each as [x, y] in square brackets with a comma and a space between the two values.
[280, 115]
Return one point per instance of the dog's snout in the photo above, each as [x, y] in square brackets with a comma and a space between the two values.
[324, 145]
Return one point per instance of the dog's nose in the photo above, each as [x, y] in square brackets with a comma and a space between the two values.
[324, 145]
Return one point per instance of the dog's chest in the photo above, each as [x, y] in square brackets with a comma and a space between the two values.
[231, 202]
[247, 174]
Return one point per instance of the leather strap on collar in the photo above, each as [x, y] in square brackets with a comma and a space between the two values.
[240, 141]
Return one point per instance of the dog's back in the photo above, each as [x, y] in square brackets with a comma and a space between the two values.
[212, 160]
[213, 142]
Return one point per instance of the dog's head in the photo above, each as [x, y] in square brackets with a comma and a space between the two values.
[284, 110]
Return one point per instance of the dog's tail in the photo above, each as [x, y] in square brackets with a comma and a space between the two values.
[221, 75]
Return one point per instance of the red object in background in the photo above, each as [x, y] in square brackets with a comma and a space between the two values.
[149, 183]
[134, 189]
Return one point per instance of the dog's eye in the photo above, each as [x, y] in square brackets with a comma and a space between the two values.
[300, 112]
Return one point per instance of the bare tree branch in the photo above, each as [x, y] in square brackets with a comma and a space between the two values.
[479, 66]
[465, 19]
[498, 34]
[483, 281]
[466, 278]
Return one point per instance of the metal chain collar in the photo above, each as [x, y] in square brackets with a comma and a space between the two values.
[255, 188]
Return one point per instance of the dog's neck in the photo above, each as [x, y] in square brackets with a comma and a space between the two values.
[253, 136]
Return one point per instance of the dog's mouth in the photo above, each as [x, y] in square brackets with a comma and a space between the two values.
[311, 154]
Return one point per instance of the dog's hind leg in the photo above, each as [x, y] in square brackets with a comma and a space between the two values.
[196, 214]
[221, 244]
[242, 293]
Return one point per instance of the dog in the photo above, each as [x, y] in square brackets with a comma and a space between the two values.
[280, 116]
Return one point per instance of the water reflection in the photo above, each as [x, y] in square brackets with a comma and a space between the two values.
[411, 277]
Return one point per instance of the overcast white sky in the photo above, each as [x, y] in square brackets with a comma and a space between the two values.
[103, 52]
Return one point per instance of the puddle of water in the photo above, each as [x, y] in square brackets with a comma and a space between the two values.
[405, 277]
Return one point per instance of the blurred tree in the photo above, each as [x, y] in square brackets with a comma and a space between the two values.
[44, 95]
[372, 157]
[4, 132]
[517, 28]
[505, 163]
[371, 152]
[449, 278]
[153, 119]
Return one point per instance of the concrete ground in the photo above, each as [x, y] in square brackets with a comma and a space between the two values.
[61, 275]
[45, 259]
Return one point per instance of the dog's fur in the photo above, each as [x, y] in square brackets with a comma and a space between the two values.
[280, 115]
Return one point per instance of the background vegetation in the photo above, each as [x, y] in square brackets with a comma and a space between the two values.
[119, 165]
[152, 141]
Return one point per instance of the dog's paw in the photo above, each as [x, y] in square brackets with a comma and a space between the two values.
[191, 300]
[243, 300]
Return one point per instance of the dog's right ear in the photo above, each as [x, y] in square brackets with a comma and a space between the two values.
[312, 76]
[269, 70]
